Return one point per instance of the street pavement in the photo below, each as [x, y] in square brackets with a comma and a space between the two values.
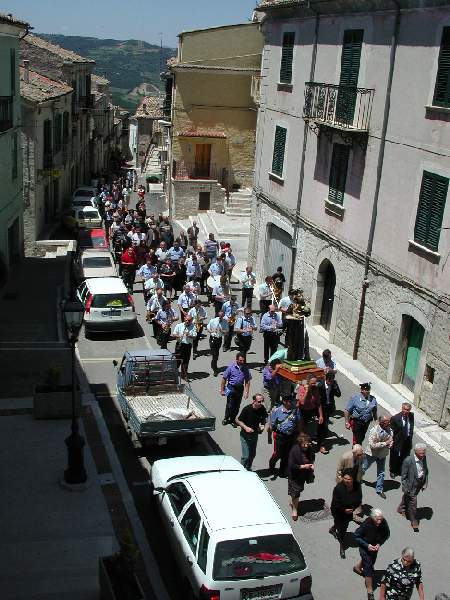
[332, 576]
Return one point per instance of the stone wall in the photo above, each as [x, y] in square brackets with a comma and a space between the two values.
[185, 194]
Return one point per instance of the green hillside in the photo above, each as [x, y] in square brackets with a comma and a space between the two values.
[126, 63]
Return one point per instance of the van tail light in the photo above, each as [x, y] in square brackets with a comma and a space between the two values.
[131, 301]
[305, 585]
[206, 594]
[87, 308]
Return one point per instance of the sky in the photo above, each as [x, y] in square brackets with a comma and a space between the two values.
[128, 19]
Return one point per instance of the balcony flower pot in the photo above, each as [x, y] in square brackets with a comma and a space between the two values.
[52, 400]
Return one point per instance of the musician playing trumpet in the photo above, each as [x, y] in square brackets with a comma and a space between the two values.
[266, 296]
[164, 318]
[154, 304]
[248, 280]
[198, 314]
[186, 301]
[231, 309]
[244, 328]
[272, 327]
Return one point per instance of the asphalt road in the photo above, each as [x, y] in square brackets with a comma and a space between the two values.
[332, 576]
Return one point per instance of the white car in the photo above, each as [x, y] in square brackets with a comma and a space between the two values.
[85, 196]
[229, 536]
[82, 217]
[92, 263]
[107, 305]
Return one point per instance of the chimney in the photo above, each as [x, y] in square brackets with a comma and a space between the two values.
[26, 71]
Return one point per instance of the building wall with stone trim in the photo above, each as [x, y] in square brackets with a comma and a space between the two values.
[186, 194]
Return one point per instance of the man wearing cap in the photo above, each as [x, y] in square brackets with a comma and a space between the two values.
[230, 309]
[360, 411]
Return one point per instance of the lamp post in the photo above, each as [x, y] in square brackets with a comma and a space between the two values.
[75, 473]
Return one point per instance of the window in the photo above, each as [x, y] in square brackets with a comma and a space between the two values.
[65, 132]
[278, 151]
[348, 81]
[190, 524]
[433, 195]
[178, 496]
[287, 56]
[57, 133]
[442, 87]
[14, 156]
[47, 144]
[203, 549]
[12, 58]
[338, 173]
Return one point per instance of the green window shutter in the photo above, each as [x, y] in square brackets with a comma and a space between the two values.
[14, 156]
[442, 87]
[278, 150]
[350, 62]
[430, 212]
[287, 56]
[338, 173]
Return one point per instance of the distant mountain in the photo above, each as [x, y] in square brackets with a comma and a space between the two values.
[126, 63]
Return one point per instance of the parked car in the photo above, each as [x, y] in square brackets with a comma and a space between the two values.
[92, 263]
[91, 238]
[107, 305]
[239, 549]
[84, 194]
[83, 217]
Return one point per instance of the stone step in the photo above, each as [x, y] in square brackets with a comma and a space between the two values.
[233, 202]
[236, 212]
[240, 195]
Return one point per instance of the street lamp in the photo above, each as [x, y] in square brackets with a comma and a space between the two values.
[75, 473]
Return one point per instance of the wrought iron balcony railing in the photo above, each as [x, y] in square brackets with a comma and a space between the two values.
[183, 170]
[6, 113]
[340, 106]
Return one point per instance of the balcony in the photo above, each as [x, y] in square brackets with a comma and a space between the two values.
[255, 90]
[341, 107]
[183, 170]
[6, 113]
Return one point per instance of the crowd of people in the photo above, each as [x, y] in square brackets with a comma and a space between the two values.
[180, 278]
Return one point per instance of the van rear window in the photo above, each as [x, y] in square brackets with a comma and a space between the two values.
[262, 556]
[110, 301]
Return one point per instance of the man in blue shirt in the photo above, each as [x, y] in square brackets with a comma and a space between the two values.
[272, 327]
[243, 328]
[175, 253]
[230, 309]
[284, 421]
[361, 409]
[235, 384]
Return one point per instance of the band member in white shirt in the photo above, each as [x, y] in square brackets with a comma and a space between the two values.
[231, 311]
[198, 314]
[248, 280]
[184, 333]
[217, 327]
[151, 285]
[186, 301]
[265, 291]
[154, 304]
[219, 294]
[244, 328]
[164, 318]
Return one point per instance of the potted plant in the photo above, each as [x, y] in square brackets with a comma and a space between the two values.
[117, 575]
[53, 400]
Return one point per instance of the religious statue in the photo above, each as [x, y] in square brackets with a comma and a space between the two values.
[296, 336]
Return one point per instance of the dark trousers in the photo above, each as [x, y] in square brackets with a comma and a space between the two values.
[264, 307]
[244, 343]
[217, 306]
[341, 523]
[397, 456]
[247, 297]
[309, 423]
[233, 405]
[282, 445]
[322, 430]
[228, 337]
[214, 344]
[156, 329]
[359, 430]
[184, 357]
[197, 339]
[408, 503]
[164, 338]
[249, 442]
[271, 341]
[203, 279]
[128, 276]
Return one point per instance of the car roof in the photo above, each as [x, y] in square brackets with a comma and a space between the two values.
[90, 233]
[106, 285]
[95, 253]
[232, 499]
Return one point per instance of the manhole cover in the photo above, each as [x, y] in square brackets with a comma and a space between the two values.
[10, 296]
[314, 510]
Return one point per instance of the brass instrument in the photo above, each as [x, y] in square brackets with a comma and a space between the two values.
[150, 316]
[198, 322]
[166, 327]
[232, 319]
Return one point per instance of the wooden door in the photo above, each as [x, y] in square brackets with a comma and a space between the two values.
[328, 297]
[413, 352]
[202, 160]
[204, 200]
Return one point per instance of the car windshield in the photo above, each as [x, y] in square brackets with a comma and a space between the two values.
[96, 261]
[85, 193]
[82, 201]
[110, 301]
[87, 214]
[86, 239]
[261, 556]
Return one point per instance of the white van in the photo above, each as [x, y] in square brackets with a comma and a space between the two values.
[107, 305]
[229, 536]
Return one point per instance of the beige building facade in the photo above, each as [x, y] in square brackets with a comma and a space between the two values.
[213, 116]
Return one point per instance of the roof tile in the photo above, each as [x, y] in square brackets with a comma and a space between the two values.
[150, 108]
[39, 88]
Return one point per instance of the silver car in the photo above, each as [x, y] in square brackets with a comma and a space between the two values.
[95, 263]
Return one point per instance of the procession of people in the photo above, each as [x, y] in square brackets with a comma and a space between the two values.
[191, 290]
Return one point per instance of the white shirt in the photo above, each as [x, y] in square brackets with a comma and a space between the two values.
[419, 466]
[155, 303]
[284, 303]
[218, 291]
[187, 332]
[186, 300]
[161, 254]
[248, 280]
[154, 284]
[217, 328]
[194, 286]
[199, 313]
[264, 291]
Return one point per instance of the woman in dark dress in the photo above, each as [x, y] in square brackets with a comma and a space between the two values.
[300, 470]
[180, 278]
[370, 536]
[347, 496]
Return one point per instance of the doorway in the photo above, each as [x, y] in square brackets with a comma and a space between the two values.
[413, 349]
[278, 252]
[14, 243]
[326, 283]
[204, 200]
[202, 160]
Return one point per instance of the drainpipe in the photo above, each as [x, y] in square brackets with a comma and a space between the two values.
[302, 161]
[387, 106]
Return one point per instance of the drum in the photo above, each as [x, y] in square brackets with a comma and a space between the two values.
[212, 281]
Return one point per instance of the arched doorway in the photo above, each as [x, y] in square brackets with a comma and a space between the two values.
[412, 349]
[326, 282]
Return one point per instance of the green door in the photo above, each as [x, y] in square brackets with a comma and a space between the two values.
[413, 351]
[348, 81]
